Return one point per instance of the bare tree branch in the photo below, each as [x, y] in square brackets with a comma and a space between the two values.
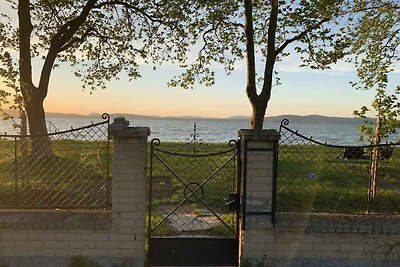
[75, 40]
[271, 52]
[132, 7]
[299, 36]
[60, 39]
[251, 89]
[375, 7]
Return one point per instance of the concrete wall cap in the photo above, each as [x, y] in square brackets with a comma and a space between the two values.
[118, 124]
[131, 132]
[259, 135]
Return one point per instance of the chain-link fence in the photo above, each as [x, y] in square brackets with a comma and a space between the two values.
[67, 169]
[317, 177]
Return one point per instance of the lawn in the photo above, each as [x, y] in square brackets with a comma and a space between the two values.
[317, 178]
[75, 176]
[310, 178]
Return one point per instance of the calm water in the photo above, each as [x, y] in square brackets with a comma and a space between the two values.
[213, 130]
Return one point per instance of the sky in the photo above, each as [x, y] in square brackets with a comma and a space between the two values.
[303, 92]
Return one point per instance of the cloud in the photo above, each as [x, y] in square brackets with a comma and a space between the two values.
[396, 67]
[292, 63]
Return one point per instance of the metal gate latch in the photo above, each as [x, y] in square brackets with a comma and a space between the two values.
[233, 202]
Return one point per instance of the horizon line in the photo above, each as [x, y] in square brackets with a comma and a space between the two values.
[94, 114]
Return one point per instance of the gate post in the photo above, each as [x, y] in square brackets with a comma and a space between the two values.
[259, 154]
[128, 189]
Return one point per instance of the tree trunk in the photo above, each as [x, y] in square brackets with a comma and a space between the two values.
[257, 117]
[41, 147]
[259, 102]
[373, 171]
[373, 167]
[33, 97]
[25, 162]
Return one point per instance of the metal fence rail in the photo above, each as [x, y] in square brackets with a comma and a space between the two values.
[67, 169]
[318, 177]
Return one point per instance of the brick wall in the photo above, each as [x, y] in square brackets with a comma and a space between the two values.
[285, 247]
[300, 239]
[51, 237]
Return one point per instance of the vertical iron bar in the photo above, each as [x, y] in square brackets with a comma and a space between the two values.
[244, 195]
[194, 138]
[238, 191]
[274, 180]
[108, 166]
[150, 198]
[16, 171]
[370, 182]
[234, 181]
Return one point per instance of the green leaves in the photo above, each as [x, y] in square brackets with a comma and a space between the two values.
[312, 28]
[386, 109]
[115, 36]
[375, 31]
[9, 74]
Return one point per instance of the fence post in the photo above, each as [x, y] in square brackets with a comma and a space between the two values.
[259, 150]
[128, 187]
[24, 154]
[16, 170]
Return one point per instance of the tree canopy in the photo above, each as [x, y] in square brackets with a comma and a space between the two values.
[262, 33]
[375, 32]
[375, 35]
[99, 38]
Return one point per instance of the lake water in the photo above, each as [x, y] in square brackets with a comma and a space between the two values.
[214, 130]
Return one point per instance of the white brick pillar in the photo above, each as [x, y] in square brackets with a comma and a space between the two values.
[128, 189]
[259, 162]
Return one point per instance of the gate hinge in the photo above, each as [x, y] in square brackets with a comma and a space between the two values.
[233, 201]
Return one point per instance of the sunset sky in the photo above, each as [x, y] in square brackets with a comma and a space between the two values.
[303, 91]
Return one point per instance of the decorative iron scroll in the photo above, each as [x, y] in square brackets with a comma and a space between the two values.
[194, 138]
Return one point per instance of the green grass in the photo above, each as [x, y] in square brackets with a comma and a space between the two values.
[76, 175]
[342, 184]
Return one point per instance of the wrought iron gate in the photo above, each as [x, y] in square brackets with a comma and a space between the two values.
[193, 204]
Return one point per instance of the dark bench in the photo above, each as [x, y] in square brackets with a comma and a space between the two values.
[360, 153]
[385, 153]
[354, 153]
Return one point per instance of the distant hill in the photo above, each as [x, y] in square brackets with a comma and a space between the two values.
[277, 119]
[306, 119]
[15, 113]
[315, 119]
